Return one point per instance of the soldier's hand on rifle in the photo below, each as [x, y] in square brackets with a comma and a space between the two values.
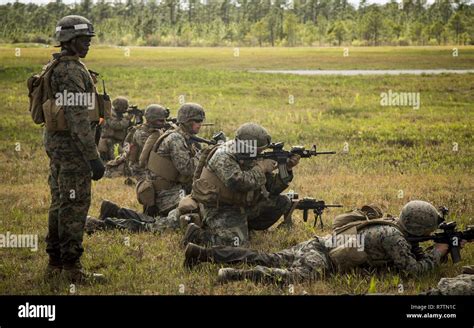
[442, 249]
[266, 165]
[293, 161]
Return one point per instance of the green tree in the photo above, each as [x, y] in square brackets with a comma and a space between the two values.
[372, 24]
[457, 25]
[338, 32]
[290, 28]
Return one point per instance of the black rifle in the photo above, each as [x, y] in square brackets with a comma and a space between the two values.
[137, 113]
[281, 156]
[451, 236]
[172, 121]
[106, 98]
[306, 204]
[217, 138]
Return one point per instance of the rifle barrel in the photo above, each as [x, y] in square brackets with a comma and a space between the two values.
[325, 152]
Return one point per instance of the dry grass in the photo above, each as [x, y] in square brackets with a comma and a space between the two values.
[391, 149]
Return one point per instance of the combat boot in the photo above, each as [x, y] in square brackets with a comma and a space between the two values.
[192, 234]
[194, 254]
[229, 274]
[93, 225]
[76, 274]
[53, 270]
[108, 210]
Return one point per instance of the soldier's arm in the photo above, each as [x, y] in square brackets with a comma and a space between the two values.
[180, 154]
[400, 252]
[70, 78]
[229, 172]
[275, 184]
[129, 136]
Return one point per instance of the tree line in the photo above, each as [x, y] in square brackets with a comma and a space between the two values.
[249, 22]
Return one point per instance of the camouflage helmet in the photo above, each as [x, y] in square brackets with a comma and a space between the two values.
[191, 112]
[73, 26]
[120, 104]
[253, 131]
[419, 218]
[156, 112]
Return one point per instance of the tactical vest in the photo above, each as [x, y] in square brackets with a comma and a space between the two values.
[163, 168]
[54, 115]
[211, 191]
[146, 151]
[346, 258]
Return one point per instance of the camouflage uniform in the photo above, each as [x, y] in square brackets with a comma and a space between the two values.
[113, 132]
[177, 150]
[462, 284]
[70, 172]
[183, 153]
[384, 245]
[229, 224]
[133, 221]
[136, 139]
[178, 147]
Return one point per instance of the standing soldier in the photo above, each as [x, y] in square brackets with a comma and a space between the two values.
[70, 146]
[114, 129]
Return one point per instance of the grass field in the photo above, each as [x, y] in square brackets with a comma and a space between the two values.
[395, 154]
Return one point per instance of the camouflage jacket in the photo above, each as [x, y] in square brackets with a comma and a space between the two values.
[71, 76]
[182, 152]
[136, 139]
[244, 176]
[386, 246]
[115, 127]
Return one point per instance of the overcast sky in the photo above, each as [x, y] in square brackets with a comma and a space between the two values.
[355, 2]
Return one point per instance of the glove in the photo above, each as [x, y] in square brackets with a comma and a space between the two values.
[266, 165]
[293, 161]
[97, 169]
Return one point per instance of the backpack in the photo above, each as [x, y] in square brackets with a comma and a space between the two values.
[205, 156]
[39, 91]
[356, 217]
[350, 223]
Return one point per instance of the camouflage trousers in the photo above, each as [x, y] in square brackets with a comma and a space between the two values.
[164, 215]
[166, 200]
[113, 170]
[462, 284]
[70, 184]
[308, 260]
[133, 221]
[137, 171]
[230, 225]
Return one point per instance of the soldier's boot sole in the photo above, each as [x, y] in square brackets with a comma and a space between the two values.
[225, 275]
